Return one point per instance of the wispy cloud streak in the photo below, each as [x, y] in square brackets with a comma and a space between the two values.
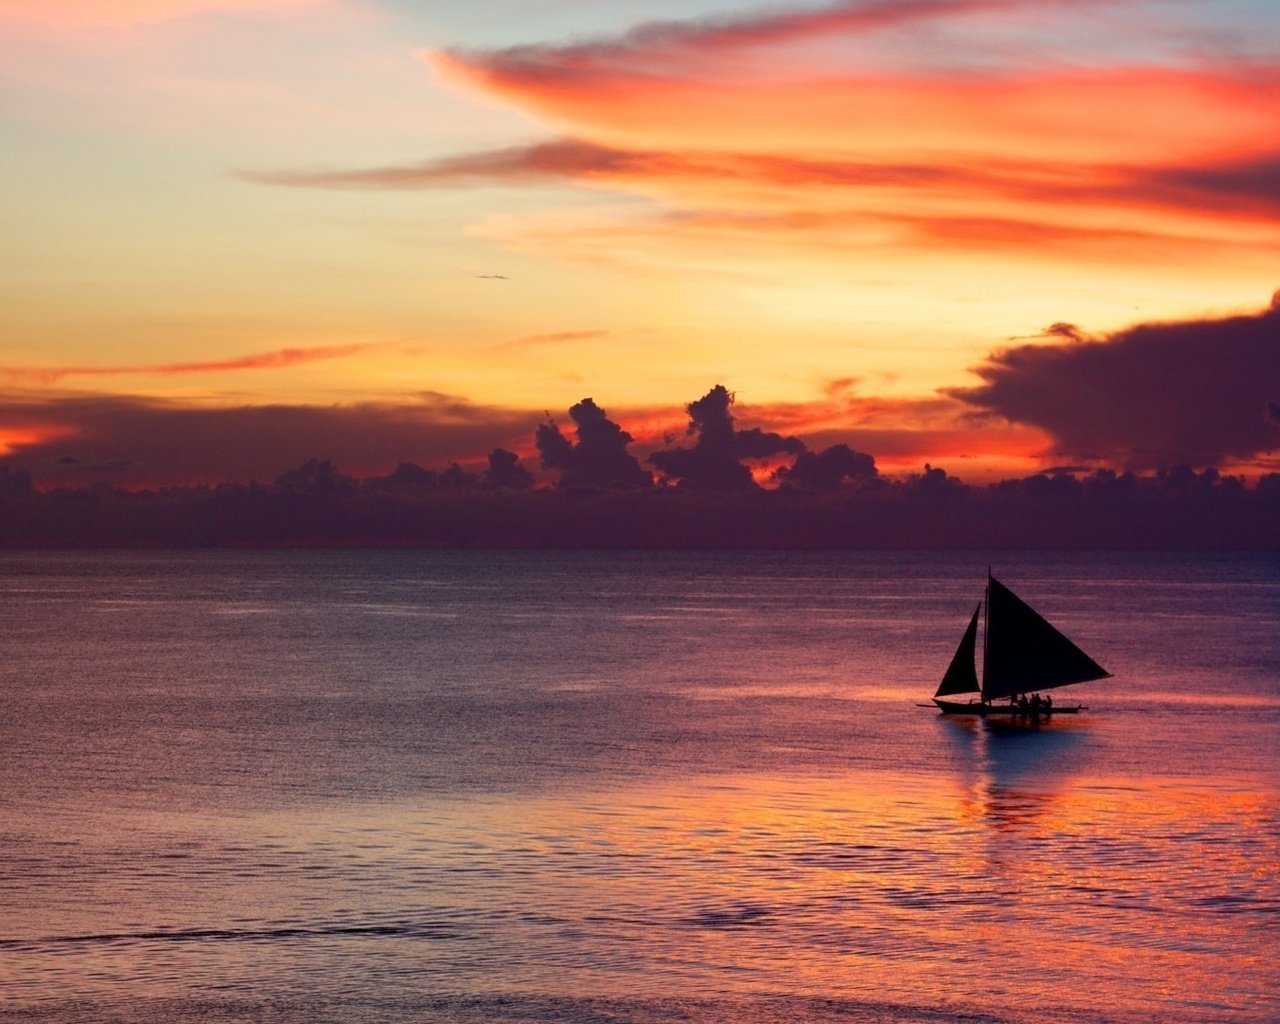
[549, 338]
[954, 115]
[1248, 188]
[276, 359]
[657, 43]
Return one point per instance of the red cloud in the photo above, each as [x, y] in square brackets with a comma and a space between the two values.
[1111, 115]
[257, 361]
[818, 81]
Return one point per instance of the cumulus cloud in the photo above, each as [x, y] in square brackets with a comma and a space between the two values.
[505, 471]
[829, 469]
[407, 477]
[714, 462]
[756, 443]
[315, 476]
[1194, 391]
[599, 458]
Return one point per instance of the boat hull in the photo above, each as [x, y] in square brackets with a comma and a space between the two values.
[985, 710]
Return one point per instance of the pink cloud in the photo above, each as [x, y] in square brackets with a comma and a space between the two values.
[793, 116]
[72, 13]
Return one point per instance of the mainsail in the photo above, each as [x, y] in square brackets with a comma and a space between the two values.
[961, 676]
[1024, 653]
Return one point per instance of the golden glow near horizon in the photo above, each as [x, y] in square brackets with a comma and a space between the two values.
[239, 202]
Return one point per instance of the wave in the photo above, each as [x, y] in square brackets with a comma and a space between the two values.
[408, 930]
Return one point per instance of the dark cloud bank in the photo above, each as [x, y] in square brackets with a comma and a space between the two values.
[1197, 392]
[137, 441]
[1152, 401]
[703, 495]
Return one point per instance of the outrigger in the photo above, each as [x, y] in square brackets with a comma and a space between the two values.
[1022, 654]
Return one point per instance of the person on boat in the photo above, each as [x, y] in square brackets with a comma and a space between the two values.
[1035, 703]
[1022, 704]
[1048, 704]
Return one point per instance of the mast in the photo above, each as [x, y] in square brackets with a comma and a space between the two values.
[986, 628]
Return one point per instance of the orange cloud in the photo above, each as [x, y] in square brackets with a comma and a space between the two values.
[256, 361]
[905, 433]
[16, 436]
[1111, 115]
[1112, 213]
[982, 132]
[805, 246]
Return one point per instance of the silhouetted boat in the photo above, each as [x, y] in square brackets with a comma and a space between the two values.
[1021, 654]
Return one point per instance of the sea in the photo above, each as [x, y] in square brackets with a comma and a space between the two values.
[624, 787]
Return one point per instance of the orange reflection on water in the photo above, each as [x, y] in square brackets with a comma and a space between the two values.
[1001, 884]
[1082, 892]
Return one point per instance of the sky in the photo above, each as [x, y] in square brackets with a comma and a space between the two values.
[992, 235]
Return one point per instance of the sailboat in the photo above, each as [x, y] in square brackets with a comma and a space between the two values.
[1021, 653]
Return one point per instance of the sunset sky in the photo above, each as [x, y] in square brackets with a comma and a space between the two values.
[993, 235]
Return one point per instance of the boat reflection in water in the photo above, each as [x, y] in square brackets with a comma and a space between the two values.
[1090, 881]
[1017, 771]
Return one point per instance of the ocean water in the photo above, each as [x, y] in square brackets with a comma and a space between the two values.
[628, 787]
